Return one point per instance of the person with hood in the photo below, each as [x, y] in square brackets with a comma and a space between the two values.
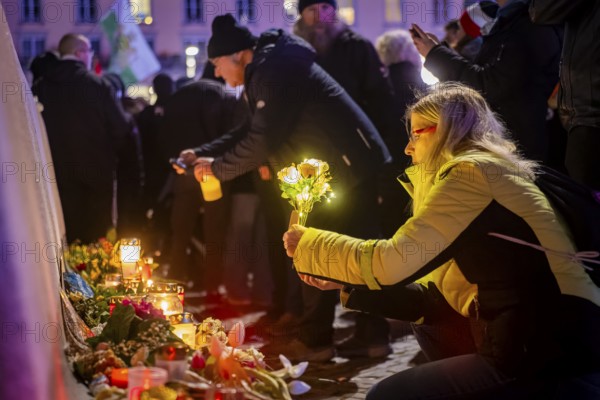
[86, 128]
[516, 70]
[297, 111]
[352, 61]
[485, 258]
[579, 91]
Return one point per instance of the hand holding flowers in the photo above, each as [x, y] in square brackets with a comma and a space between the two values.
[304, 185]
[291, 238]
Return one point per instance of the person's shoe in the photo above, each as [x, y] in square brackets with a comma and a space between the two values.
[354, 347]
[286, 325]
[297, 351]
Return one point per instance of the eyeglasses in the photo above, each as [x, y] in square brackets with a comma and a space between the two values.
[414, 135]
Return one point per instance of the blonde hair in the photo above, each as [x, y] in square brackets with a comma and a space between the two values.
[396, 46]
[465, 123]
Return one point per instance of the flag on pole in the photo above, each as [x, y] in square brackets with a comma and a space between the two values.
[131, 56]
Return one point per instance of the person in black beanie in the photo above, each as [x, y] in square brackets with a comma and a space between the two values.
[229, 37]
[297, 111]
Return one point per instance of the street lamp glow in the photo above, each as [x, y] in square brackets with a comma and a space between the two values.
[192, 51]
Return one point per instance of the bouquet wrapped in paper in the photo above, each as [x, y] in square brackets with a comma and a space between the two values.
[304, 185]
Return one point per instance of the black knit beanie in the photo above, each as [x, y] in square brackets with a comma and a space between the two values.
[228, 37]
[302, 4]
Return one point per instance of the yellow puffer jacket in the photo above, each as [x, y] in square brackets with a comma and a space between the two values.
[444, 241]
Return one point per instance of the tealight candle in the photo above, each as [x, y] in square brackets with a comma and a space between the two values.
[119, 377]
[142, 378]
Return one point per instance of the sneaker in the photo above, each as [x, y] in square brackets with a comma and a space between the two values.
[357, 348]
[297, 351]
[286, 325]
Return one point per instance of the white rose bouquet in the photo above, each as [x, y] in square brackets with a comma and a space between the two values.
[304, 185]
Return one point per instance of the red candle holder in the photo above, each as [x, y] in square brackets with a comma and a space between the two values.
[119, 377]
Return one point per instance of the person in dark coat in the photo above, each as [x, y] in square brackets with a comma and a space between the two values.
[156, 170]
[579, 93]
[515, 70]
[352, 61]
[298, 111]
[42, 64]
[86, 127]
[197, 113]
[130, 167]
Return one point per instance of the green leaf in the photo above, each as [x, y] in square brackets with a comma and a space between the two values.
[117, 327]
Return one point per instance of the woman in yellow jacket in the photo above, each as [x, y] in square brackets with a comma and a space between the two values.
[532, 317]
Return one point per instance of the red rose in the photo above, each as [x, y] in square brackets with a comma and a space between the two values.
[198, 362]
[81, 267]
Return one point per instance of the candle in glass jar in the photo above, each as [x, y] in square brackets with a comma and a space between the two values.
[142, 378]
[184, 328]
[118, 377]
[130, 255]
[181, 293]
[112, 280]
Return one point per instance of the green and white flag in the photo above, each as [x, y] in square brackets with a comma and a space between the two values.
[131, 56]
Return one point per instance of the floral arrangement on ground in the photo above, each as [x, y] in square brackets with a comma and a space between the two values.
[134, 333]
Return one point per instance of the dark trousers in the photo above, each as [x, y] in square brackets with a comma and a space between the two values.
[456, 371]
[286, 296]
[187, 201]
[86, 206]
[353, 213]
[583, 155]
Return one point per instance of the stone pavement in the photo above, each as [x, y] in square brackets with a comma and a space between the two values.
[339, 379]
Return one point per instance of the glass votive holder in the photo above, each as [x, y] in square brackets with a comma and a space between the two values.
[211, 188]
[164, 296]
[184, 328]
[181, 293]
[129, 253]
[172, 357]
[132, 284]
[113, 280]
[143, 378]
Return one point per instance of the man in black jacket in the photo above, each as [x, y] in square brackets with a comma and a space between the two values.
[353, 62]
[196, 114]
[86, 126]
[298, 111]
[515, 70]
[579, 93]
